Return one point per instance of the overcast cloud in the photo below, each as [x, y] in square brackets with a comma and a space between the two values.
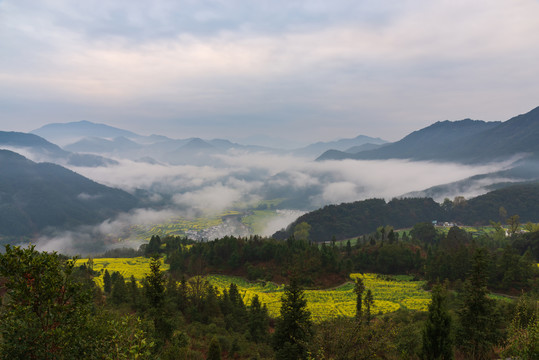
[302, 70]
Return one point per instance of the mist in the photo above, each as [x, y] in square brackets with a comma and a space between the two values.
[241, 181]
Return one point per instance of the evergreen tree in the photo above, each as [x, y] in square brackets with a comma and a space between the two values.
[437, 344]
[119, 291]
[154, 246]
[155, 283]
[257, 320]
[107, 284]
[477, 332]
[359, 288]
[368, 302]
[294, 327]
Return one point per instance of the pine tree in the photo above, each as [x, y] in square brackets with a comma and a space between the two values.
[368, 302]
[437, 344]
[257, 320]
[359, 288]
[477, 332]
[107, 284]
[155, 283]
[294, 327]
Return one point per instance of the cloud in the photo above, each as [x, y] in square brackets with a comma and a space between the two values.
[241, 181]
[317, 70]
[243, 177]
[111, 233]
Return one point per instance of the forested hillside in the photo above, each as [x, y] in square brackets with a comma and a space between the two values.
[39, 195]
[352, 219]
[182, 314]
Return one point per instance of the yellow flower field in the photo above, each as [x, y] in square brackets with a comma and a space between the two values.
[139, 267]
[389, 295]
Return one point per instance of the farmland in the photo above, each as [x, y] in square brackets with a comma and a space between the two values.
[139, 267]
[390, 294]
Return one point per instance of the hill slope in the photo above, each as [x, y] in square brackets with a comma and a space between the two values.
[40, 149]
[465, 141]
[352, 219]
[34, 196]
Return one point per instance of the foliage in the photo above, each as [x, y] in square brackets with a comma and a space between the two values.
[436, 334]
[48, 314]
[348, 220]
[523, 333]
[478, 323]
[346, 339]
[294, 327]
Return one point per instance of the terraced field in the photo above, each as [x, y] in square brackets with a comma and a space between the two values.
[390, 294]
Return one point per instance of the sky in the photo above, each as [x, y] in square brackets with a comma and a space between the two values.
[299, 70]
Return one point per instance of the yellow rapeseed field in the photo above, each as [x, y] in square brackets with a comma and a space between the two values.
[389, 295]
[139, 267]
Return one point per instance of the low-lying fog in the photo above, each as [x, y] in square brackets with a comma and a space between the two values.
[243, 179]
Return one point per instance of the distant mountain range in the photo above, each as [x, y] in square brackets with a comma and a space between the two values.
[66, 133]
[94, 138]
[42, 150]
[35, 196]
[361, 142]
[466, 141]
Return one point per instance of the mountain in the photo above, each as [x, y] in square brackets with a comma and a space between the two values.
[103, 146]
[434, 142]
[65, 133]
[361, 217]
[314, 150]
[41, 150]
[465, 141]
[34, 196]
[32, 143]
[364, 147]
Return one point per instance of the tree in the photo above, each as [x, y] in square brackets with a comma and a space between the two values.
[424, 232]
[478, 321]
[359, 288]
[436, 334]
[369, 302]
[523, 334]
[47, 314]
[119, 293]
[107, 285]
[294, 327]
[514, 224]
[44, 307]
[301, 231]
[154, 246]
[155, 283]
[257, 320]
